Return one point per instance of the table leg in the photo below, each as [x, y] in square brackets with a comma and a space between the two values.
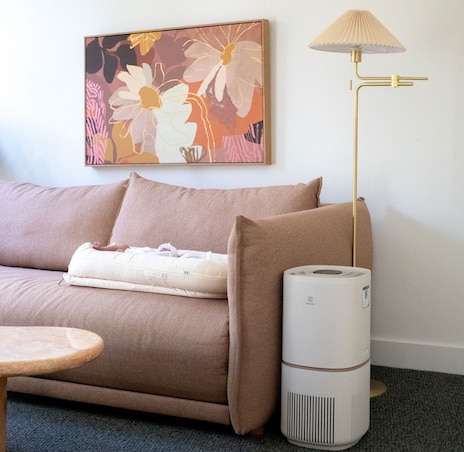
[3, 396]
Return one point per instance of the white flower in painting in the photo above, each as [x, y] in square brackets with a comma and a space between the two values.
[235, 66]
[157, 120]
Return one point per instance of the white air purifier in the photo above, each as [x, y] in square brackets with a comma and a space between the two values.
[326, 356]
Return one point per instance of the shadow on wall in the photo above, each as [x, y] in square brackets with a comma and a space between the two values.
[417, 282]
[23, 158]
[3, 161]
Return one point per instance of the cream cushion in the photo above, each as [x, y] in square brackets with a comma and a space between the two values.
[203, 276]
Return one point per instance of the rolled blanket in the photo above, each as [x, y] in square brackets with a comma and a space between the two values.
[196, 274]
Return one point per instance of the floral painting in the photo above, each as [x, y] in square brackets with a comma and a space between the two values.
[195, 95]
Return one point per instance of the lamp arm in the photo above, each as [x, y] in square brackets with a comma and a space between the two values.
[395, 80]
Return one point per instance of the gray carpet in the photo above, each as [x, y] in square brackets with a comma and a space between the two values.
[421, 411]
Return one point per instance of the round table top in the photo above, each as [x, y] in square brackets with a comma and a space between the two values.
[33, 350]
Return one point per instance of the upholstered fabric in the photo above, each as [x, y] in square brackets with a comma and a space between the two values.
[320, 236]
[204, 275]
[155, 344]
[153, 213]
[41, 227]
[119, 398]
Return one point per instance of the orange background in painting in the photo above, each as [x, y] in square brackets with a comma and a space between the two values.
[217, 128]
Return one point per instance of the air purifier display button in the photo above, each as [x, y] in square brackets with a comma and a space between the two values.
[366, 297]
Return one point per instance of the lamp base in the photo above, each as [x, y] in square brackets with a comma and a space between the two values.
[377, 388]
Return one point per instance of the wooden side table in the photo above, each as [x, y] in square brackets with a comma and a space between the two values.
[41, 350]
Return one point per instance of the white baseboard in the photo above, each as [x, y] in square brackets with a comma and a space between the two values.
[418, 356]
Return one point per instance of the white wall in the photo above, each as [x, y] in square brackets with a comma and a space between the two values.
[411, 139]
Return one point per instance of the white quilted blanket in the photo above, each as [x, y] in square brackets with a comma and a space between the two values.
[192, 274]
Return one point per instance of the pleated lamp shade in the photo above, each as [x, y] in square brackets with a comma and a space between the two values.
[357, 30]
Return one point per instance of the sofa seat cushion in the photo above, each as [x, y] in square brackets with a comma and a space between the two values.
[192, 274]
[156, 344]
[42, 227]
[201, 219]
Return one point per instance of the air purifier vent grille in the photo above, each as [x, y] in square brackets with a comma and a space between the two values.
[311, 419]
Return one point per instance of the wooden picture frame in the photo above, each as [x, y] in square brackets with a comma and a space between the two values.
[193, 95]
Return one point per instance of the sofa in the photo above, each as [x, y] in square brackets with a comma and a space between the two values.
[205, 358]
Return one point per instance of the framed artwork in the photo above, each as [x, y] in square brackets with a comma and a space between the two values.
[193, 95]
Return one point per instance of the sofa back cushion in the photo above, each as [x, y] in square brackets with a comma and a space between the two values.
[41, 227]
[153, 213]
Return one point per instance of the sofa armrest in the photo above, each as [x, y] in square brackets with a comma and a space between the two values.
[259, 252]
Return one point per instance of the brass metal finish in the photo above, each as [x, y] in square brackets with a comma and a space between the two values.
[394, 81]
[377, 388]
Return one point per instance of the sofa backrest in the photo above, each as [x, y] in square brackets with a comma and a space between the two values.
[41, 227]
[153, 213]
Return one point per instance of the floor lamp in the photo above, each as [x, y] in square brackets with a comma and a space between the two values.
[357, 32]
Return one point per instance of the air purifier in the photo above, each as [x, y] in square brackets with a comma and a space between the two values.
[326, 356]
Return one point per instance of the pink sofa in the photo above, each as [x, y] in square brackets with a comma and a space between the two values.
[209, 359]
